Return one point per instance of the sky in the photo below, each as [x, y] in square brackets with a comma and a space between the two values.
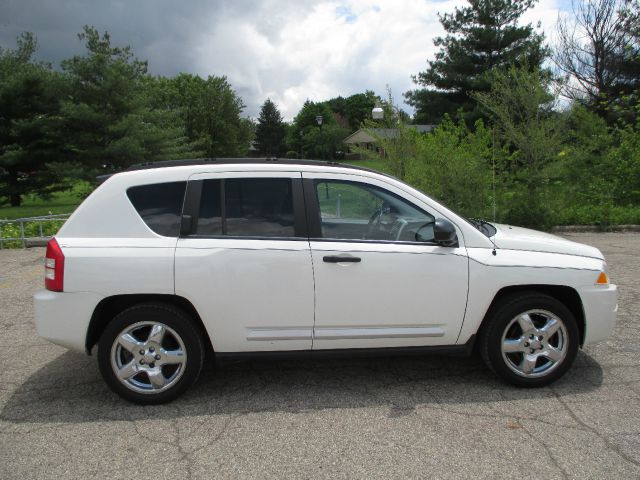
[289, 51]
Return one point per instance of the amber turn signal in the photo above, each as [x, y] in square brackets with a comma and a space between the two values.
[602, 279]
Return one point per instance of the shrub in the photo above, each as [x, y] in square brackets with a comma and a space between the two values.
[31, 229]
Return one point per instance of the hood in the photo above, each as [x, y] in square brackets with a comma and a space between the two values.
[518, 238]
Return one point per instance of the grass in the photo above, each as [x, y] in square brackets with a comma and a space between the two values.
[354, 201]
[379, 164]
[34, 206]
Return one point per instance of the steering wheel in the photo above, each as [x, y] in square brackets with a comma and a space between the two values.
[376, 219]
[399, 225]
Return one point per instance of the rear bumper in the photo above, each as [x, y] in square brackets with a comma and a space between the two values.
[63, 318]
[600, 303]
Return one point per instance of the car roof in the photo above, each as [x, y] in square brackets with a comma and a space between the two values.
[238, 161]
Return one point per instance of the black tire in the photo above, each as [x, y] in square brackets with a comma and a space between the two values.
[180, 371]
[504, 324]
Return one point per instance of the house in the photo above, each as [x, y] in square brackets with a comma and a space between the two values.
[367, 138]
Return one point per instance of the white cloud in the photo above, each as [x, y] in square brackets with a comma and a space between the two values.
[546, 14]
[329, 49]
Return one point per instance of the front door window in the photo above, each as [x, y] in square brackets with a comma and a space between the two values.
[358, 211]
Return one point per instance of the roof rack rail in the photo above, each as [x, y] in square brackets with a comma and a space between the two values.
[240, 160]
[222, 161]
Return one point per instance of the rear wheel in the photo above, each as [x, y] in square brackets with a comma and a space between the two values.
[150, 353]
[531, 340]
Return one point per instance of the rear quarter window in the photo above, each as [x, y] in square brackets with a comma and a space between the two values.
[159, 205]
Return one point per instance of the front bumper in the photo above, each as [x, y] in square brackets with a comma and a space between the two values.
[63, 318]
[600, 303]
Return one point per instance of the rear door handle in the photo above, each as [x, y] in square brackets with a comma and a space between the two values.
[341, 259]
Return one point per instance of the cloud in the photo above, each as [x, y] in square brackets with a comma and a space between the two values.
[287, 51]
[325, 50]
[546, 14]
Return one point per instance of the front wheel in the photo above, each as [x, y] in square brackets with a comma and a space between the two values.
[150, 353]
[531, 340]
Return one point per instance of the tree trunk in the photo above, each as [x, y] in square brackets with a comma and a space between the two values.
[14, 196]
[15, 199]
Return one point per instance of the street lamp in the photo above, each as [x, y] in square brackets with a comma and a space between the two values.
[319, 122]
[302, 144]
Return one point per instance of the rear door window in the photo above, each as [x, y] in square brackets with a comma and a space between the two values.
[159, 205]
[246, 207]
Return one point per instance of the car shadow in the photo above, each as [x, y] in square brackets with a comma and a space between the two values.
[69, 389]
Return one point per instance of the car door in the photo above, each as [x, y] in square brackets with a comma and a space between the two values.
[375, 284]
[243, 260]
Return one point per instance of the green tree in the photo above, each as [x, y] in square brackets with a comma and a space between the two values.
[450, 163]
[521, 107]
[480, 37]
[313, 140]
[453, 164]
[624, 161]
[107, 114]
[598, 173]
[581, 175]
[210, 111]
[270, 130]
[355, 109]
[29, 122]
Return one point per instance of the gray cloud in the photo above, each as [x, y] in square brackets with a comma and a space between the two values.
[157, 30]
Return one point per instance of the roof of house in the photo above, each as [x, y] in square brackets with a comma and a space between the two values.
[364, 135]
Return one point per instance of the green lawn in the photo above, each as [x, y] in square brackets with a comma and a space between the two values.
[33, 206]
[379, 164]
[355, 203]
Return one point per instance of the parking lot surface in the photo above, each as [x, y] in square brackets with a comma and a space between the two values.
[417, 417]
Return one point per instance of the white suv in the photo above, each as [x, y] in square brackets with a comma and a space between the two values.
[262, 257]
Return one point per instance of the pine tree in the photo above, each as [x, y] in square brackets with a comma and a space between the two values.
[483, 36]
[270, 131]
[30, 139]
[108, 115]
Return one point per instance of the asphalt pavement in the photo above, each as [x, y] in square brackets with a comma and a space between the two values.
[412, 417]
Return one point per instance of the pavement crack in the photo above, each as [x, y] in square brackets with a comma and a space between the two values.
[608, 443]
[218, 437]
[547, 449]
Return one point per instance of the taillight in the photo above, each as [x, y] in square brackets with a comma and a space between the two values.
[54, 267]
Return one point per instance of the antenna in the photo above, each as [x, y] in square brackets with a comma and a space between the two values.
[493, 163]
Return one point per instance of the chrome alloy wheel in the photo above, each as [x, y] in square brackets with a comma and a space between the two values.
[534, 343]
[148, 357]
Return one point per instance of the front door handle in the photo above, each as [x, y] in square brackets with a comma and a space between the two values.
[341, 259]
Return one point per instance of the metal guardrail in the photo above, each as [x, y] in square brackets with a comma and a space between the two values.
[22, 222]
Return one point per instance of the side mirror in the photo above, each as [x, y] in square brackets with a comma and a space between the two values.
[444, 233]
[425, 233]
